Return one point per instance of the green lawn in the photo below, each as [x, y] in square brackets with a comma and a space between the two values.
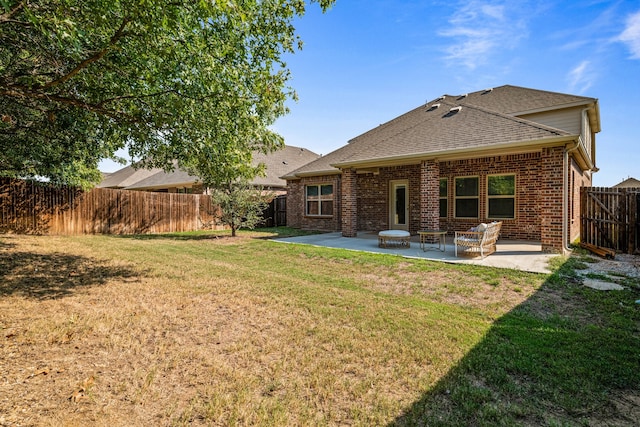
[203, 329]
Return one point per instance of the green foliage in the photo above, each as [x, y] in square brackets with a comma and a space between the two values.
[241, 203]
[166, 80]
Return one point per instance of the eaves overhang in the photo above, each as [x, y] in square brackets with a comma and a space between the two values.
[583, 159]
[556, 107]
[300, 175]
[461, 153]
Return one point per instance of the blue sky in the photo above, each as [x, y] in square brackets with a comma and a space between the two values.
[365, 62]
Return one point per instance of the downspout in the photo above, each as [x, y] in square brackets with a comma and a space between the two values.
[565, 185]
[565, 196]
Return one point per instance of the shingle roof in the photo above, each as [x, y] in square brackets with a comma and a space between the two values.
[628, 183]
[162, 179]
[516, 100]
[278, 163]
[485, 121]
[125, 177]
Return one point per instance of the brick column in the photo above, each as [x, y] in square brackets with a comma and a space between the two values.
[551, 181]
[430, 195]
[349, 203]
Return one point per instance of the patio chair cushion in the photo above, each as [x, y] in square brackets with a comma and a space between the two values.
[482, 240]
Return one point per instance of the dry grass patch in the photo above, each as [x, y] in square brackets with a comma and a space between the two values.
[203, 330]
[108, 330]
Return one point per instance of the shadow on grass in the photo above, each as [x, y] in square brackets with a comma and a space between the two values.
[567, 356]
[56, 275]
[186, 236]
[258, 233]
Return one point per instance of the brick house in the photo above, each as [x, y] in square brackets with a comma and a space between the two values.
[510, 153]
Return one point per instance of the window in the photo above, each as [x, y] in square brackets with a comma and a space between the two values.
[319, 200]
[466, 194]
[501, 196]
[444, 191]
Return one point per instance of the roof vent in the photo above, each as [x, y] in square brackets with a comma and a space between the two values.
[455, 109]
[441, 98]
[463, 96]
[433, 107]
[487, 91]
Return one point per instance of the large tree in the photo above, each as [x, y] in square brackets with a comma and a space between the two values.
[173, 79]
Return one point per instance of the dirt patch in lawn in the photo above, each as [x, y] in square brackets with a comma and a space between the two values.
[454, 285]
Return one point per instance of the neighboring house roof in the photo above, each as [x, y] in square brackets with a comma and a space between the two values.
[628, 183]
[485, 122]
[277, 163]
[162, 179]
[125, 177]
[280, 163]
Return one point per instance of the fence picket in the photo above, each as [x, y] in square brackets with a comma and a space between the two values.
[39, 208]
[609, 218]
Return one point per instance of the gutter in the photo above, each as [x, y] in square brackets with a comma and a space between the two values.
[565, 184]
[458, 153]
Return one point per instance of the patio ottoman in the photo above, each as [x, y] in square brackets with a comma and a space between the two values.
[394, 238]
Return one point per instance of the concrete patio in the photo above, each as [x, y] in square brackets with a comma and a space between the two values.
[519, 255]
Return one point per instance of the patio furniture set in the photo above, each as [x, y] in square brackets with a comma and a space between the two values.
[478, 240]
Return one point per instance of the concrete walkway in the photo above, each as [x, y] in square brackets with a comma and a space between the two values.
[519, 255]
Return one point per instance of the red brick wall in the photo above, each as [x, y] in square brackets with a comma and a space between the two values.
[296, 204]
[349, 203]
[551, 180]
[373, 197]
[526, 167]
[539, 179]
[430, 195]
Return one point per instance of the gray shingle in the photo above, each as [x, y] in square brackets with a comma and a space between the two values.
[486, 120]
[277, 164]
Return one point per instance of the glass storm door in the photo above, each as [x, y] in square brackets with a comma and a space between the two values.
[399, 205]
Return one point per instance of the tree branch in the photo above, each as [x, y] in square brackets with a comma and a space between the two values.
[96, 108]
[116, 36]
[150, 95]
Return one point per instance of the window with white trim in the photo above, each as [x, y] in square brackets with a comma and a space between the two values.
[466, 197]
[319, 200]
[501, 196]
[444, 201]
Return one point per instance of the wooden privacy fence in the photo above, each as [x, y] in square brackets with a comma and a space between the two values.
[610, 218]
[276, 213]
[39, 208]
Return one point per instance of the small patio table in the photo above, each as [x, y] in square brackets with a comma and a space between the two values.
[399, 238]
[440, 234]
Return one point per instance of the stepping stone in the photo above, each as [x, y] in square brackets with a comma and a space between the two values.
[602, 286]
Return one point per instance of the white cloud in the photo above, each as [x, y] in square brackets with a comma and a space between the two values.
[581, 77]
[480, 28]
[631, 35]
